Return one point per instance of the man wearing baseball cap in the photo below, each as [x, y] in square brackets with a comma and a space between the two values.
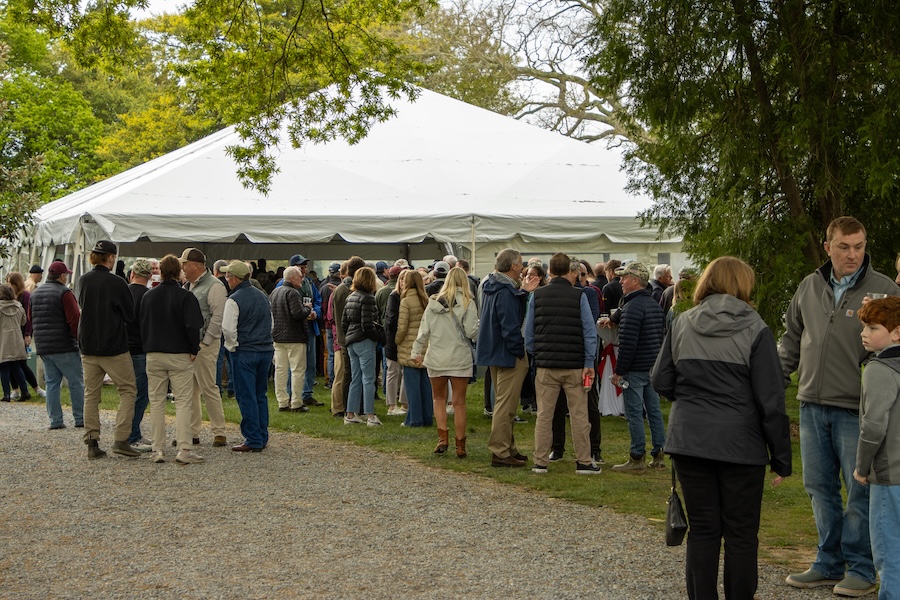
[54, 316]
[247, 325]
[211, 295]
[106, 306]
[35, 274]
[641, 330]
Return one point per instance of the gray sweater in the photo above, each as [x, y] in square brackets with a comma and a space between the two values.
[878, 452]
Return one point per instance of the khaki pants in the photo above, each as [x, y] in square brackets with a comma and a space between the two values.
[508, 385]
[121, 371]
[205, 384]
[547, 383]
[290, 358]
[394, 384]
[161, 369]
[338, 389]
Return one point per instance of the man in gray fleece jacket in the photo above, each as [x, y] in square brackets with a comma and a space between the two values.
[822, 343]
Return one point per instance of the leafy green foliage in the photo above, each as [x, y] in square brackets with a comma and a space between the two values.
[767, 121]
[146, 134]
[464, 56]
[17, 197]
[50, 119]
[321, 68]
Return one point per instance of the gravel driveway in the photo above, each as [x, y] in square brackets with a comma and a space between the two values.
[307, 518]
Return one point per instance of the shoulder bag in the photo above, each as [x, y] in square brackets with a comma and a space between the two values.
[676, 522]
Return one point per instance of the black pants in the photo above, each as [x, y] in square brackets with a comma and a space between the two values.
[29, 376]
[559, 421]
[722, 500]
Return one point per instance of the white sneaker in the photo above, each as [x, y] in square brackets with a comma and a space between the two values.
[143, 446]
[401, 410]
[14, 395]
[355, 420]
[159, 457]
[449, 409]
[373, 421]
[41, 392]
[392, 411]
[186, 457]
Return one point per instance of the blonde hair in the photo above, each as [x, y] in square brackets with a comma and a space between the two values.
[726, 275]
[455, 281]
[364, 280]
[413, 284]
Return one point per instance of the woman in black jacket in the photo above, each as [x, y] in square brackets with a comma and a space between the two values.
[361, 337]
[719, 367]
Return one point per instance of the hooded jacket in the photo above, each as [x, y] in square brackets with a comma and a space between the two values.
[12, 319]
[441, 340]
[821, 341]
[719, 367]
[878, 452]
[500, 339]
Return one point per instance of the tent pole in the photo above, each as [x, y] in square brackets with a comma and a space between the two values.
[472, 257]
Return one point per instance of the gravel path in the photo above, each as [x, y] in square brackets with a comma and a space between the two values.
[307, 518]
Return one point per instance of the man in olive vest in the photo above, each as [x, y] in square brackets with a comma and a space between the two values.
[211, 294]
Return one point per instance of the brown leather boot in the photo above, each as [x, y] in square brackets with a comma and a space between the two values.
[443, 444]
[460, 448]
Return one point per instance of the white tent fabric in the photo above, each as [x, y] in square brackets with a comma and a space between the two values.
[440, 171]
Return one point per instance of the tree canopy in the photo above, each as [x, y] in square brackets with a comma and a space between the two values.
[767, 120]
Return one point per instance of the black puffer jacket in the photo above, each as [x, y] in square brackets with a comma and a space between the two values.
[391, 314]
[358, 320]
[642, 326]
[289, 315]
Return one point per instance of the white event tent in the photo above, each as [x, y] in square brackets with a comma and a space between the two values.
[442, 176]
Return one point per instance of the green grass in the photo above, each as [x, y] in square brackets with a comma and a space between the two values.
[787, 532]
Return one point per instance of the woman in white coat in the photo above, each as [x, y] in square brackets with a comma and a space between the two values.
[448, 329]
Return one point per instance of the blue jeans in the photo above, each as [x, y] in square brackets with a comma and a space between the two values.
[251, 386]
[828, 439]
[142, 399]
[329, 343]
[362, 377]
[418, 394]
[224, 356]
[310, 366]
[57, 366]
[884, 522]
[637, 397]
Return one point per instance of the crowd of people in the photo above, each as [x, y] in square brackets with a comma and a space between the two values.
[558, 339]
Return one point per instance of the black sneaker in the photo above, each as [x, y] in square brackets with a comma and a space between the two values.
[555, 456]
[312, 402]
[541, 469]
[587, 469]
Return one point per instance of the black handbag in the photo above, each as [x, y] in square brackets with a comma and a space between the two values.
[676, 522]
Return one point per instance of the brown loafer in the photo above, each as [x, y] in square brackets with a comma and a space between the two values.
[245, 448]
[509, 461]
[220, 441]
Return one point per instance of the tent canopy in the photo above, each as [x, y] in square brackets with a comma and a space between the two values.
[440, 171]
